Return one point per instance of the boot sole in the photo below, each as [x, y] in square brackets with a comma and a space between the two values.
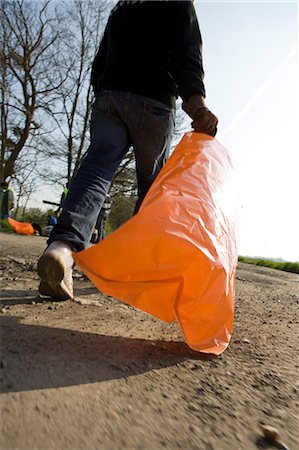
[51, 272]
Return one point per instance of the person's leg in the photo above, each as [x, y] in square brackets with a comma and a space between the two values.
[109, 143]
[151, 136]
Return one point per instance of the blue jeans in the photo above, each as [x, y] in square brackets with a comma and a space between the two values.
[119, 120]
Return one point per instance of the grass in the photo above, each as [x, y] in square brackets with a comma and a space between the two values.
[4, 226]
[280, 265]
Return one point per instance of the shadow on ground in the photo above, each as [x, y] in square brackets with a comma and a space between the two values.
[11, 297]
[38, 357]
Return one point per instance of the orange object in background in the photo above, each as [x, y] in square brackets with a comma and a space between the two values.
[21, 227]
[176, 259]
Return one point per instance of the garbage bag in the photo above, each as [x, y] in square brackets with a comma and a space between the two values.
[176, 259]
[21, 227]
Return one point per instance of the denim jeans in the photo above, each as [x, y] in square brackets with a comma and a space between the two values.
[119, 120]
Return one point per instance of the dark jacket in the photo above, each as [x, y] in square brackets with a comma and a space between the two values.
[151, 48]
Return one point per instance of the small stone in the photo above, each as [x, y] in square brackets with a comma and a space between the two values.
[281, 413]
[246, 341]
[272, 435]
[193, 407]
[190, 365]
[213, 403]
[296, 387]
[33, 302]
[239, 437]
[194, 429]
[112, 414]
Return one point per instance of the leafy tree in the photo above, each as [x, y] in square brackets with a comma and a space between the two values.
[122, 210]
[34, 215]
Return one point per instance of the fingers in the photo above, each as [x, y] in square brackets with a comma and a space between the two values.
[205, 122]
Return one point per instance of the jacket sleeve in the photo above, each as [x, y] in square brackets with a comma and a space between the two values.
[185, 45]
[99, 62]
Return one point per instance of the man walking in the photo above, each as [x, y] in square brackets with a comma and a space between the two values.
[149, 55]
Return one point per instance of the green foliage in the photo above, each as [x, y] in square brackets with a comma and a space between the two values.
[34, 215]
[108, 228]
[5, 227]
[280, 265]
[122, 210]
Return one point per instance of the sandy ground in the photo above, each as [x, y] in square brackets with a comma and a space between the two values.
[107, 376]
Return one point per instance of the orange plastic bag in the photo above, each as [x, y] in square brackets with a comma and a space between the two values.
[176, 259]
[21, 227]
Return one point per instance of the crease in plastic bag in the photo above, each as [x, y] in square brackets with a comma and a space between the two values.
[176, 259]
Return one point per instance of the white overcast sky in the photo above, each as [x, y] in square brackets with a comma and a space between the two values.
[252, 81]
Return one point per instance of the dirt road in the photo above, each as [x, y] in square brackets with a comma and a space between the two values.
[104, 376]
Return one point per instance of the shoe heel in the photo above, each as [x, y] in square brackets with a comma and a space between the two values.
[50, 269]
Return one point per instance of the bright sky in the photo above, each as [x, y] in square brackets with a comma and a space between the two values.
[252, 80]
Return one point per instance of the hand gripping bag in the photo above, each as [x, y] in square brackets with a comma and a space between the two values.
[176, 258]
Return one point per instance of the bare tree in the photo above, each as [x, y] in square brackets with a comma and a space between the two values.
[72, 110]
[29, 33]
[25, 180]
